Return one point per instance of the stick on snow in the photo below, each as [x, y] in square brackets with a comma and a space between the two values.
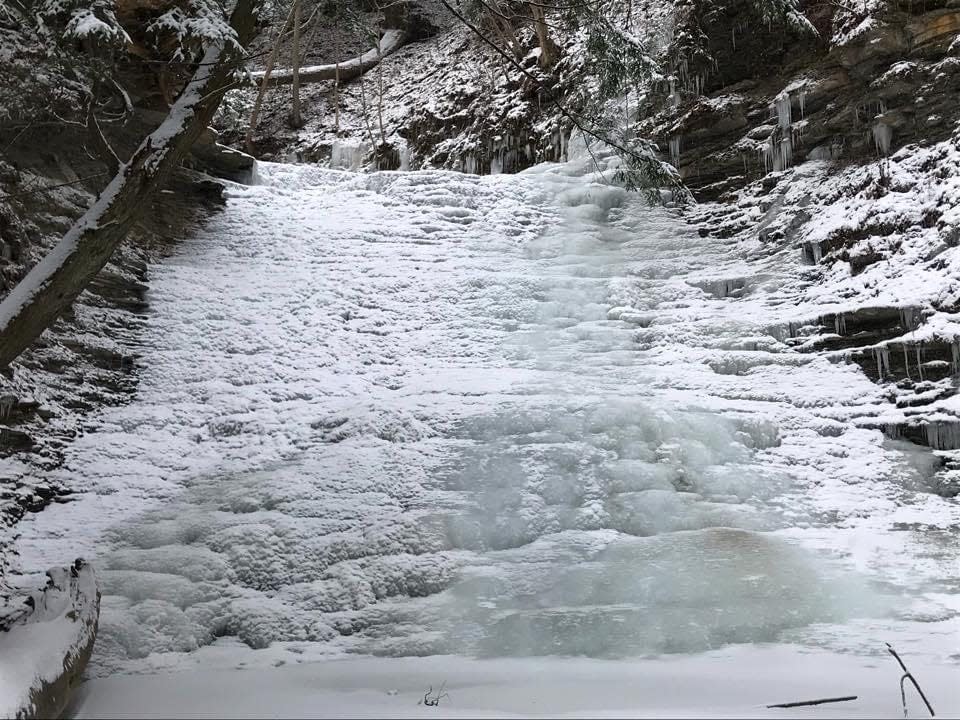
[821, 701]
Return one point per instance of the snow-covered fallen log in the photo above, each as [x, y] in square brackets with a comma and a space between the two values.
[348, 69]
[44, 652]
[56, 281]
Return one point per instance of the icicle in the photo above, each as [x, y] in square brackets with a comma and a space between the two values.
[910, 318]
[785, 153]
[906, 361]
[802, 99]
[674, 144]
[770, 155]
[674, 98]
[782, 105]
[955, 352]
[882, 135]
[882, 356]
[779, 154]
[943, 435]
[840, 323]
[919, 362]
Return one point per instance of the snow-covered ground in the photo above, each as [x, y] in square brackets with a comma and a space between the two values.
[736, 682]
[417, 414]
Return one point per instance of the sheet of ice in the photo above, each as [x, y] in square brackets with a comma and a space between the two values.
[737, 682]
[406, 414]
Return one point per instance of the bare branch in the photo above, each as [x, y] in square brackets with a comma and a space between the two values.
[907, 675]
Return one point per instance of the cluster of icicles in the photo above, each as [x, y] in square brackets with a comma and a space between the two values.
[508, 153]
[777, 152]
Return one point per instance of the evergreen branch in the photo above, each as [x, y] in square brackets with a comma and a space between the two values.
[643, 162]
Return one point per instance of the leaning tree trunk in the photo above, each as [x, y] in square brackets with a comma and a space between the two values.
[56, 281]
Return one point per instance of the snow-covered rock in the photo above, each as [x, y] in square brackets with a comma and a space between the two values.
[46, 646]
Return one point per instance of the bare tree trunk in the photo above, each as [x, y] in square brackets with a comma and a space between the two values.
[383, 136]
[56, 281]
[548, 49]
[258, 103]
[296, 118]
[336, 78]
[366, 117]
[507, 35]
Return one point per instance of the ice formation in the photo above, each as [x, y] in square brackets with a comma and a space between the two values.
[777, 152]
[426, 413]
[348, 155]
[882, 136]
[674, 144]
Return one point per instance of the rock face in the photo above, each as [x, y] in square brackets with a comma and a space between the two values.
[45, 646]
[844, 151]
[854, 98]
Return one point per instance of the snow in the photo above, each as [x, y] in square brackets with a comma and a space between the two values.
[738, 682]
[34, 651]
[84, 25]
[411, 414]
[28, 653]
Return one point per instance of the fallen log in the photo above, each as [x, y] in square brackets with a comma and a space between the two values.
[56, 281]
[391, 41]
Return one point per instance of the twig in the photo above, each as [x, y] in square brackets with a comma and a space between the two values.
[17, 136]
[821, 701]
[434, 701]
[907, 675]
[51, 187]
